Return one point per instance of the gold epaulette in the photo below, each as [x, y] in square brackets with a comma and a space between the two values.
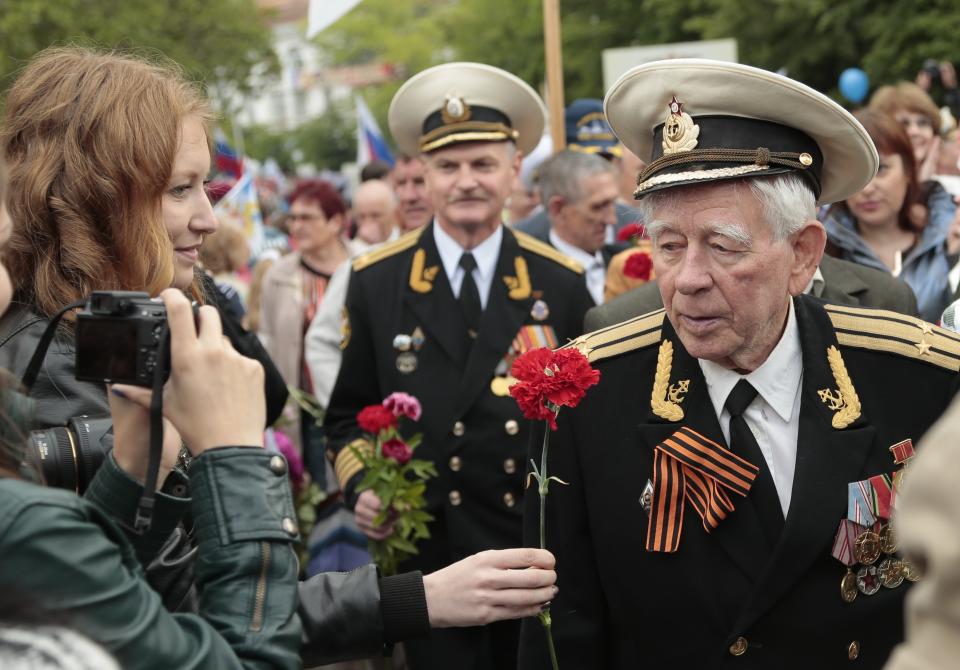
[880, 330]
[386, 250]
[638, 332]
[543, 249]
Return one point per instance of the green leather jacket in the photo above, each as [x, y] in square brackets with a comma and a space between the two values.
[68, 554]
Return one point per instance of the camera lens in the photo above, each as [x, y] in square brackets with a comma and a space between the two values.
[68, 456]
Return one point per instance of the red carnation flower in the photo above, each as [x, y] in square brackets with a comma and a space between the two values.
[638, 266]
[548, 380]
[398, 450]
[630, 231]
[374, 418]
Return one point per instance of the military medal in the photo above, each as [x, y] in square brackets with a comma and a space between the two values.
[868, 582]
[500, 386]
[403, 343]
[866, 548]
[910, 571]
[888, 541]
[843, 552]
[646, 498]
[891, 572]
[407, 362]
[540, 311]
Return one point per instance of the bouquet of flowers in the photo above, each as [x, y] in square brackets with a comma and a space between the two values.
[546, 381]
[398, 479]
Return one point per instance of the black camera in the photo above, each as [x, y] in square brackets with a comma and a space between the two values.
[118, 338]
[68, 456]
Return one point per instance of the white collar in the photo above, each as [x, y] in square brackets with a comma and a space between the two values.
[777, 380]
[485, 253]
[587, 260]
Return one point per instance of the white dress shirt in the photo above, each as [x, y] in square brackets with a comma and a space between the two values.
[774, 415]
[593, 266]
[485, 253]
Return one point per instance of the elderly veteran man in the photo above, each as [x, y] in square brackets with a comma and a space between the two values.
[441, 313]
[731, 476]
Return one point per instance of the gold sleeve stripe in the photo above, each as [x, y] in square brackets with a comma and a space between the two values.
[347, 463]
[386, 250]
[896, 333]
[531, 243]
[639, 332]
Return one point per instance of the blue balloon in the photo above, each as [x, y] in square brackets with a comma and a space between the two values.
[854, 84]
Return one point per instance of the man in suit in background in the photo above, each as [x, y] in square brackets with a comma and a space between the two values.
[836, 281]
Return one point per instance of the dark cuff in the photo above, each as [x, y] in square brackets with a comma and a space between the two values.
[403, 604]
[241, 494]
[117, 493]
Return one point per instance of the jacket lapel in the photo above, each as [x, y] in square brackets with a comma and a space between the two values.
[740, 534]
[827, 460]
[436, 309]
[499, 324]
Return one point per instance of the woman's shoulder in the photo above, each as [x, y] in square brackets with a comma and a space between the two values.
[27, 506]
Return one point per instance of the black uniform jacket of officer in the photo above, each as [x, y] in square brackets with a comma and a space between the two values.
[620, 606]
[476, 498]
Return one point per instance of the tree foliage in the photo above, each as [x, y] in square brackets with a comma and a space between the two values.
[812, 40]
[217, 42]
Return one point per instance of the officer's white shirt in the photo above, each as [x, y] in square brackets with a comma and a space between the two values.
[774, 415]
[485, 253]
[593, 266]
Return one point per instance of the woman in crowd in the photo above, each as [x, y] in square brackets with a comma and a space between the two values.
[913, 108]
[292, 291]
[107, 156]
[896, 224]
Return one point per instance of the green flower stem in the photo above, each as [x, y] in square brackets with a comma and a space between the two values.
[542, 488]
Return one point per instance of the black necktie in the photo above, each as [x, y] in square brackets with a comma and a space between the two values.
[763, 493]
[469, 294]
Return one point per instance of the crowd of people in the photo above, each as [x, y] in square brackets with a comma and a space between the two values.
[760, 279]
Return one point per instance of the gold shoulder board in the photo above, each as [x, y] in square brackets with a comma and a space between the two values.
[543, 249]
[637, 333]
[894, 333]
[386, 250]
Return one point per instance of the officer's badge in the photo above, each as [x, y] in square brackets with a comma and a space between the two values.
[540, 310]
[345, 330]
[421, 277]
[519, 288]
[407, 347]
[665, 398]
[455, 110]
[844, 400]
[680, 133]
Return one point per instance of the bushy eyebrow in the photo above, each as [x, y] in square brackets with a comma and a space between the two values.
[732, 231]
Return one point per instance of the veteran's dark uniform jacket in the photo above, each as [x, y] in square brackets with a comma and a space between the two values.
[728, 598]
[477, 439]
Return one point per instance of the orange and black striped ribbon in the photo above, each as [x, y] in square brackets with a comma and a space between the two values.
[688, 466]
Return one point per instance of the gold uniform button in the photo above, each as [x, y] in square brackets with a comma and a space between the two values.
[509, 466]
[512, 427]
[455, 498]
[508, 499]
[459, 429]
[289, 526]
[853, 651]
[455, 463]
[739, 648]
[278, 466]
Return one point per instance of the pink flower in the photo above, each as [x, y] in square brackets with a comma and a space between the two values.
[403, 404]
[398, 450]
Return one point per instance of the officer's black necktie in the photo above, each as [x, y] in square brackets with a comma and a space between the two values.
[469, 295]
[763, 493]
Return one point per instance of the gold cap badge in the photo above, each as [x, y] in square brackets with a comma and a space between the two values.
[455, 110]
[680, 133]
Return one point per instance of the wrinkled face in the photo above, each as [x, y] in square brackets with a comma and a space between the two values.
[584, 222]
[469, 183]
[187, 213]
[920, 131]
[410, 185]
[725, 282]
[879, 203]
[310, 228]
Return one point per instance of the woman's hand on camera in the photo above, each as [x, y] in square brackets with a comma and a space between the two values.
[493, 585]
[131, 439]
[214, 395]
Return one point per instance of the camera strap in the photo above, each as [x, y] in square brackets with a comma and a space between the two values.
[36, 361]
[144, 516]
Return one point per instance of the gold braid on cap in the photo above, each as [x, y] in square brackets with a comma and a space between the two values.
[757, 159]
[467, 131]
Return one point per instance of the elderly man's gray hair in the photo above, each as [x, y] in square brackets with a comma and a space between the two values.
[564, 173]
[785, 199]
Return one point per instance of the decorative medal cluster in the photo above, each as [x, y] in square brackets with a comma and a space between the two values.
[408, 346]
[865, 540]
[528, 337]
